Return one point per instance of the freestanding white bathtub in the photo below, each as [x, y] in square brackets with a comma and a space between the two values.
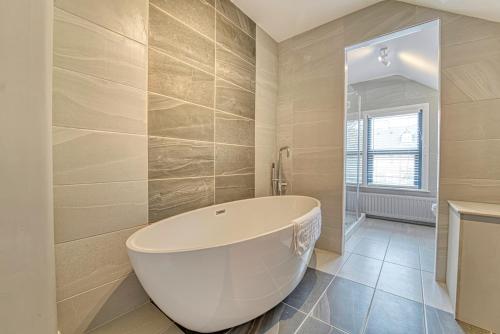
[220, 266]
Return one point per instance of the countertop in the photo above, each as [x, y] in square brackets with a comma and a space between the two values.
[476, 209]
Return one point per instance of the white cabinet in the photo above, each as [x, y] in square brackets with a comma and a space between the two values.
[473, 267]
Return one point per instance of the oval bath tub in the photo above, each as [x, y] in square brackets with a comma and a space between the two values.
[223, 265]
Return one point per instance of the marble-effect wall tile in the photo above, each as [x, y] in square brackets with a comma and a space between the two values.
[173, 118]
[234, 100]
[232, 159]
[234, 187]
[235, 39]
[232, 129]
[176, 79]
[175, 39]
[171, 197]
[173, 158]
[236, 16]
[235, 70]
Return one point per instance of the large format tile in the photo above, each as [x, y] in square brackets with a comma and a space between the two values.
[309, 290]
[198, 14]
[470, 159]
[440, 322]
[173, 78]
[345, 305]
[427, 258]
[361, 269]
[171, 197]
[312, 325]
[84, 156]
[235, 100]
[230, 129]
[235, 70]
[405, 255]
[179, 41]
[85, 47]
[87, 102]
[231, 159]
[98, 306]
[234, 187]
[401, 281]
[86, 210]
[87, 263]
[280, 320]
[147, 319]
[471, 120]
[371, 248]
[327, 262]
[435, 293]
[177, 119]
[395, 315]
[236, 16]
[235, 39]
[127, 17]
[174, 158]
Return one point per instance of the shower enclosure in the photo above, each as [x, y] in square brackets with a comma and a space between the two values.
[353, 160]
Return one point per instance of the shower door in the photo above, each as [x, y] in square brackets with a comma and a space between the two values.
[353, 158]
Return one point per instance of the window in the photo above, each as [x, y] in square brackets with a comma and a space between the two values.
[391, 149]
[394, 149]
[354, 152]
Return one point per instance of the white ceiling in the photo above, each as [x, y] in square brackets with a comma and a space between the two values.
[283, 19]
[413, 53]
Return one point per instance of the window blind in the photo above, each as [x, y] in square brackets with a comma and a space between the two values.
[394, 150]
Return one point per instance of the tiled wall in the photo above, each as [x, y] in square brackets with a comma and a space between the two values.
[310, 108]
[202, 57]
[265, 111]
[99, 156]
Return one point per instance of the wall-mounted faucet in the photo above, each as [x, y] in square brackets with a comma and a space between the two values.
[279, 184]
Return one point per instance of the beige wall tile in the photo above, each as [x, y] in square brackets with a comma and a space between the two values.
[314, 134]
[264, 158]
[475, 159]
[84, 156]
[236, 16]
[179, 41]
[235, 40]
[98, 306]
[175, 79]
[231, 159]
[147, 319]
[471, 120]
[126, 17]
[87, 102]
[376, 20]
[318, 160]
[81, 211]
[173, 158]
[85, 47]
[233, 99]
[198, 14]
[451, 92]
[232, 129]
[265, 135]
[88, 263]
[234, 187]
[235, 70]
[177, 119]
[486, 49]
[171, 197]
[472, 190]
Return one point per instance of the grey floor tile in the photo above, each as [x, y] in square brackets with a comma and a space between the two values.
[391, 314]
[371, 248]
[402, 281]
[307, 293]
[405, 255]
[440, 322]
[282, 319]
[315, 326]
[345, 305]
[361, 269]
[427, 259]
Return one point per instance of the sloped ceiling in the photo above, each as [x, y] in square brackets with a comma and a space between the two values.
[283, 19]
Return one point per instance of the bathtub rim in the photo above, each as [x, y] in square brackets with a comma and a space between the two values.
[134, 248]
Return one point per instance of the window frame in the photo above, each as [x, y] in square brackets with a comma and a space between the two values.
[393, 111]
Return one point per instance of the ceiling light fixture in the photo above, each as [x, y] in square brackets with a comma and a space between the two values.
[384, 55]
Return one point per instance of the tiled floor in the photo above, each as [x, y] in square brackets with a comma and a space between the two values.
[383, 284]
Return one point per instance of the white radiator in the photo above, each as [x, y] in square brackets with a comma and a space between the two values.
[410, 208]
